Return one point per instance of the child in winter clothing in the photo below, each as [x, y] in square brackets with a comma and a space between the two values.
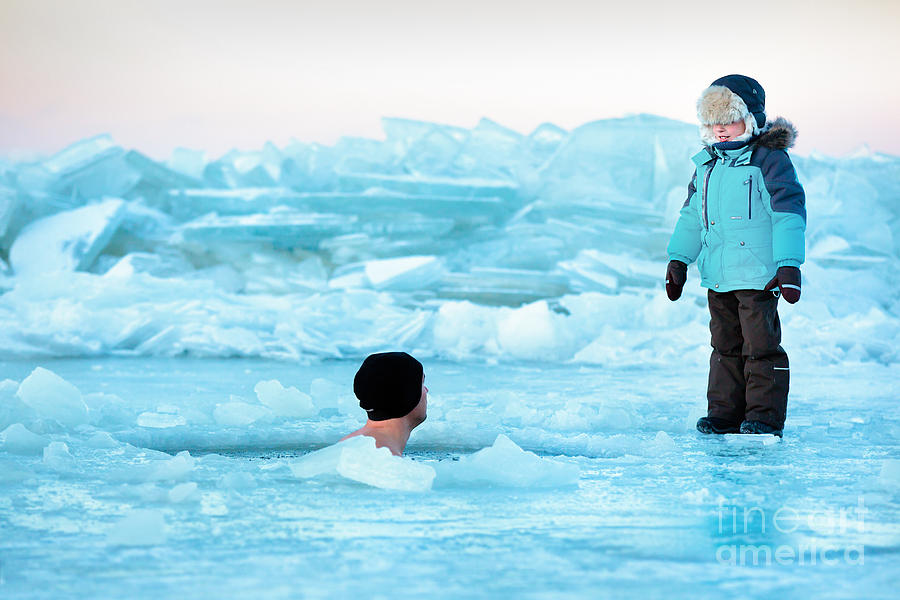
[743, 221]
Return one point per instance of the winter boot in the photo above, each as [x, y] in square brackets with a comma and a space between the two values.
[716, 425]
[757, 427]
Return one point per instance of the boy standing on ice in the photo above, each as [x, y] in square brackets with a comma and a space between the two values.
[743, 221]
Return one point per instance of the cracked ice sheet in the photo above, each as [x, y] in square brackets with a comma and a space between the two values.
[652, 513]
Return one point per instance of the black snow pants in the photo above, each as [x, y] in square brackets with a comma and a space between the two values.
[748, 369]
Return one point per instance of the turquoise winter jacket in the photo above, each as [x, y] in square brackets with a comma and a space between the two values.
[745, 214]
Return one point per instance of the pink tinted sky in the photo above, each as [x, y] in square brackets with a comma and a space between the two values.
[223, 74]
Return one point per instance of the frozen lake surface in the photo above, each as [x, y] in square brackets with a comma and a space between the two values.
[654, 509]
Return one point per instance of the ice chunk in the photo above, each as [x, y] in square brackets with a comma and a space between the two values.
[286, 229]
[433, 152]
[53, 397]
[236, 414]
[491, 150]
[505, 464]
[184, 492]
[491, 285]
[90, 168]
[58, 458]
[406, 273]
[178, 467]
[108, 411]
[285, 402]
[189, 162]
[358, 459]
[66, 241]
[545, 139]
[530, 332]
[661, 444]
[155, 176]
[17, 439]
[138, 528]
[156, 420]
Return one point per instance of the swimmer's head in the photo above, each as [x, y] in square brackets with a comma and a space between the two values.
[390, 385]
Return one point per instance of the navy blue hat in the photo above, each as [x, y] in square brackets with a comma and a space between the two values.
[749, 90]
[388, 385]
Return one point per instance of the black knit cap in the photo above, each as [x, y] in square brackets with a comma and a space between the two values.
[749, 90]
[388, 385]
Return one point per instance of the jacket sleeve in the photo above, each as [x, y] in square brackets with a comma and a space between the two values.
[788, 209]
[684, 245]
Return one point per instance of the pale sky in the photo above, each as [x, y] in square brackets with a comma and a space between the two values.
[221, 74]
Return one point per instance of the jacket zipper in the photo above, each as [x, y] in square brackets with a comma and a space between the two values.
[706, 193]
[750, 197]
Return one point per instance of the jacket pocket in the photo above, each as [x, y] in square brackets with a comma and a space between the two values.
[740, 262]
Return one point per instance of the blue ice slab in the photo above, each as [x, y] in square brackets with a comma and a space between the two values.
[492, 151]
[88, 169]
[611, 155]
[157, 176]
[185, 204]
[285, 229]
[507, 287]
[430, 186]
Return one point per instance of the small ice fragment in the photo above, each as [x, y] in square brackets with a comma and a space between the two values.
[507, 465]
[661, 444]
[17, 439]
[53, 397]
[184, 492]
[158, 420]
[58, 458]
[407, 272]
[235, 414]
[285, 402]
[173, 469]
[139, 528]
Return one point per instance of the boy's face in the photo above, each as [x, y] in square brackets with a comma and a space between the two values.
[726, 133]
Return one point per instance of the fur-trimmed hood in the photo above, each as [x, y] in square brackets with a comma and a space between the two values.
[730, 99]
[779, 134]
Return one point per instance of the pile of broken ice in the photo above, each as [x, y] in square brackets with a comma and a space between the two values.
[449, 242]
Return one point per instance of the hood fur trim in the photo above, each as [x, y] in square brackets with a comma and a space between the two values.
[779, 134]
[718, 105]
